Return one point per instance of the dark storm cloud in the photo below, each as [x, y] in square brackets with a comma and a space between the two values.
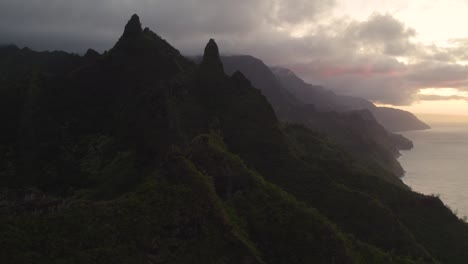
[56, 24]
[77, 25]
[298, 11]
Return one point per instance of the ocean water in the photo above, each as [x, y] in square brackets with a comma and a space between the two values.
[438, 164]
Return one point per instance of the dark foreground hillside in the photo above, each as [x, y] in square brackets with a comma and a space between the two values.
[138, 155]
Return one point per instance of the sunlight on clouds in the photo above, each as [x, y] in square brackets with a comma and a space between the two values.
[295, 31]
[300, 31]
[442, 107]
[403, 60]
[435, 21]
[442, 92]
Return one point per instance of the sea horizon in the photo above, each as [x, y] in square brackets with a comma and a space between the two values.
[436, 164]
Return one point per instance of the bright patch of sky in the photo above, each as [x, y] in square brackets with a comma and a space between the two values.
[443, 92]
[437, 22]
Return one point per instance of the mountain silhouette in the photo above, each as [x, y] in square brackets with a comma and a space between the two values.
[325, 100]
[139, 155]
[355, 130]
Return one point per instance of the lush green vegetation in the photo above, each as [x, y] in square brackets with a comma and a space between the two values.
[140, 156]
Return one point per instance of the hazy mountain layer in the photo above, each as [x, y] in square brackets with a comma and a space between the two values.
[325, 100]
[355, 130]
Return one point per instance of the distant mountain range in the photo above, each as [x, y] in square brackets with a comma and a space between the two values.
[325, 100]
[140, 155]
[353, 126]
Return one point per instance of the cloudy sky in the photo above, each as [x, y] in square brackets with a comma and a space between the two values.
[408, 53]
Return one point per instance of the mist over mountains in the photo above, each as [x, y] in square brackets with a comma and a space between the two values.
[325, 100]
[140, 155]
[355, 128]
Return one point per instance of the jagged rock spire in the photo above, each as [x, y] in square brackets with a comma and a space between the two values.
[133, 31]
[133, 27]
[129, 41]
[211, 59]
[211, 51]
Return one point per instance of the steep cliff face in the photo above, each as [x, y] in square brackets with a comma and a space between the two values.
[283, 102]
[398, 120]
[357, 131]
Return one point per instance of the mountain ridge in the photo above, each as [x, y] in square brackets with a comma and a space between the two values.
[395, 120]
[140, 156]
[356, 130]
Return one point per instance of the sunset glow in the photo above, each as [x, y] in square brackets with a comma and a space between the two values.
[444, 108]
[442, 92]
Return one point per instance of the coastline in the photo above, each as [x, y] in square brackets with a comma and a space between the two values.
[436, 164]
